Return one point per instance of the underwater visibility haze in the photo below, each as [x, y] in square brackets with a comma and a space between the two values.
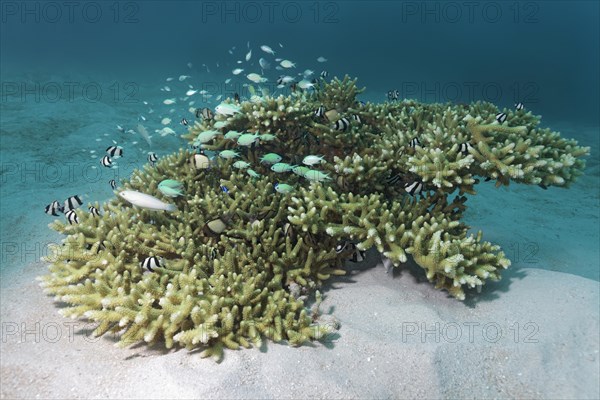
[313, 199]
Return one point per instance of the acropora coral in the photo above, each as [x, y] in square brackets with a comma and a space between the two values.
[239, 258]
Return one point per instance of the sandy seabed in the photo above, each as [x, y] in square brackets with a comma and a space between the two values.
[532, 335]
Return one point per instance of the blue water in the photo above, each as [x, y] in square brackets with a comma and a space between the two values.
[71, 72]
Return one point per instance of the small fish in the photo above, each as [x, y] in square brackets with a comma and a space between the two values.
[227, 109]
[120, 129]
[413, 188]
[393, 179]
[169, 79]
[166, 131]
[183, 77]
[205, 137]
[146, 201]
[324, 74]
[232, 135]
[229, 154]
[241, 164]
[281, 167]
[152, 157]
[144, 133]
[300, 170]
[224, 189]
[393, 95]
[248, 55]
[320, 112]
[191, 92]
[321, 59]
[200, 161]
[151, 263]
[356, 255]
[267, 137]
[519, 106]
[267, 49]
[287, 64]
[247, 139]
[169, 101]
[464, 148]
[113, 184]
[106, 161]
[189, 65]
[256, 78]
[252, 173]
[94, 211]
[316, 176]
[72, 217]
[171, 188]
[165, 121]
[305, 84]
[308, 72]
[356, 118]
[53, 207]
[341, 124]
[414, 142]
[501, 117]
[270, 158]
[184, 122]
[204, 113]
[237, 71]
[312, 160]
[142, 118]
[264, 64]
[236, 97]
[115, 151]
[283, 188]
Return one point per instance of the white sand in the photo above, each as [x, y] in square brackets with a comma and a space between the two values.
[547, 347]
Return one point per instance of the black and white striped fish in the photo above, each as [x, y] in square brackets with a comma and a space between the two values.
[324, 74]
[501, 117]
[414, 142]
[113, 184]
[356, 118]
[393, 179]
[413, 188]
[72, 217]
[52, 208]
[464, 148]
[393, 95]
[72, 203]
[204, 113]
[320, 112]
[356, 255]
[184, 122]
[519, 106]
[115, 151]
[150, 263]
[152, 157]
[342, 124]
[106, 161]
[94, 211]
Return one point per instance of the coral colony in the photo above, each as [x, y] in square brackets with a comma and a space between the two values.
[223, 251]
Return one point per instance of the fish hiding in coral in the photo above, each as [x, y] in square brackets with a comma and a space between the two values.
[146, 201]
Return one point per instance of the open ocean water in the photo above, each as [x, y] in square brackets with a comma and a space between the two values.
[72, 71]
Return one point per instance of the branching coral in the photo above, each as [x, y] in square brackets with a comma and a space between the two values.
[238, 257]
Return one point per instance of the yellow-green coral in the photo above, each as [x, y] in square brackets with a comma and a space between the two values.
[237, 266]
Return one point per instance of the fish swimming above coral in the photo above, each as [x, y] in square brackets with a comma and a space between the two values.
[230, 257]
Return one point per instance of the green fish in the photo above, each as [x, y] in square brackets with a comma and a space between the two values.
[283, 188]
[206, 136]
[316, 176]
[300, 170]
[267, 137]
[271, 158]
[232, 135]
[253, 173]
[247, 139]
[241, 164]
[229, 154]
[171, 188]
[281, 167]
